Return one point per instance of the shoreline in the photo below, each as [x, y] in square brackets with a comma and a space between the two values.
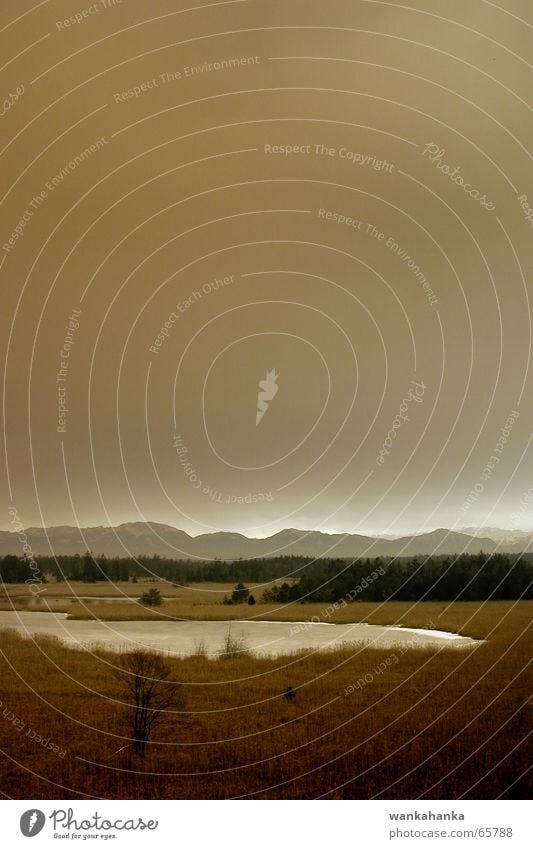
[191, 637]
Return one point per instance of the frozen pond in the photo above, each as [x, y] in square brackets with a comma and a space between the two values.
[183, 638]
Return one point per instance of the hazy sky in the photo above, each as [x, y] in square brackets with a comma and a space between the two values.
[331, 198]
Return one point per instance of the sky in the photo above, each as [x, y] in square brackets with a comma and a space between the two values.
[266, 265]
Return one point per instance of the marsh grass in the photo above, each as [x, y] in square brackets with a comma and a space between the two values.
[200, 648]
[204, 602]
[470, 619]
[436, 724]
[234, 646]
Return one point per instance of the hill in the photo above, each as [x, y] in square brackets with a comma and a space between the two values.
[145, 538]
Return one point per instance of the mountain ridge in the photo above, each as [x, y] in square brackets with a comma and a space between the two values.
[152, 538]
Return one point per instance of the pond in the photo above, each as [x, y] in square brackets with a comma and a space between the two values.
[263, 638]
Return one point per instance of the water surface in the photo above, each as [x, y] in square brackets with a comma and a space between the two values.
[184, 638]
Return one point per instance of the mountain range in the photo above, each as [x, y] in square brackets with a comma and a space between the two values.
[144, 538]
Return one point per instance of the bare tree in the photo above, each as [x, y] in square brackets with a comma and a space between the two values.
[150, 691]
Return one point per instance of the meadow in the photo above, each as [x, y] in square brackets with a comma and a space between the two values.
[364, 723]
[205, 602]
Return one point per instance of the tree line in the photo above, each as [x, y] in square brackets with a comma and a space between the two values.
[468, 576]
[90, 568]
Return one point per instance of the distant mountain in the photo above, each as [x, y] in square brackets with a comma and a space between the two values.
[166, 541]
[502, 536]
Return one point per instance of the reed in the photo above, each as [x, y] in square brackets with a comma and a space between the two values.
[432, 724]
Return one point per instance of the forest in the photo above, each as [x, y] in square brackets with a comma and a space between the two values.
[469, 577]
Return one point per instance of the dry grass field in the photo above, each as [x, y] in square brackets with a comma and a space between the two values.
[205, 602]
[88, 600]
[432, 724]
